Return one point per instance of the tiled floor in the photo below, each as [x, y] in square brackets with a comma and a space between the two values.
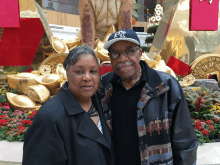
[11, 153]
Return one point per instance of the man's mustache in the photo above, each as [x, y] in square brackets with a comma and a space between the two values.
[120, 65]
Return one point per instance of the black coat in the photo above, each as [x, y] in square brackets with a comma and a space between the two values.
[62, 133]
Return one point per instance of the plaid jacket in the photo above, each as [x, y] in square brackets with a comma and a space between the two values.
[166, 133]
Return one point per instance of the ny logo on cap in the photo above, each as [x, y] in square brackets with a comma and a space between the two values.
[120, 34]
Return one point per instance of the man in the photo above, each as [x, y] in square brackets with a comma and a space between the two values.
[145, 109]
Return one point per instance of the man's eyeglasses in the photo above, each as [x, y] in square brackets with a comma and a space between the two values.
[127, 52]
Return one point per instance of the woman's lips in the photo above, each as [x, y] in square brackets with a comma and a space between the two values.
[87, 87]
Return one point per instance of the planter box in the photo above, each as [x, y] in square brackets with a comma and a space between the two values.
[11, 153]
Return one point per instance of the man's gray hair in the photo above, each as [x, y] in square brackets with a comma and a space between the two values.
[76, 53]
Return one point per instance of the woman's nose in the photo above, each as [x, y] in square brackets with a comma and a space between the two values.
[87, 76]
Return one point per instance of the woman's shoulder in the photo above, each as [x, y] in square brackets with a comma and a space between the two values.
[52, 108]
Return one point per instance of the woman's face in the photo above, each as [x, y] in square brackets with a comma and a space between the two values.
[83, 77]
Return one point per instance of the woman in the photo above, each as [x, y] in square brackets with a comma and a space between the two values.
[69, 129]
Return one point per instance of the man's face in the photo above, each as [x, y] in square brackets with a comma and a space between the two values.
[126, 65]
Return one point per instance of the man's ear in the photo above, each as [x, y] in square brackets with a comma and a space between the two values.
[140, 53]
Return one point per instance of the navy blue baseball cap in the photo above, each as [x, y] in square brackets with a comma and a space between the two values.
[122, 35]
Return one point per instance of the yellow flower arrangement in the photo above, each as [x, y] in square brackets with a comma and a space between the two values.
[214, 107]
[30, 112]
[36, 109]
[199, 88]
[194, 88]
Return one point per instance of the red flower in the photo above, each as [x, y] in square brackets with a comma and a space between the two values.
[197, 123]
[205, 132]
[30, 116]
[26, 122]
[2, 116]
[34, 113]
[17, 133]
[209, 122]
[6, 104]
[200, 128]
[216, 120]
[211, 128]
[3, 122]
[20, 128]
[199, 101]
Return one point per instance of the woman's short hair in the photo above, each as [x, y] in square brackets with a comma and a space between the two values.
[76, 53]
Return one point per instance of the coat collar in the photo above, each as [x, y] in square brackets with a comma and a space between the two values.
[153, 78]
[69, 101]
[87, 127]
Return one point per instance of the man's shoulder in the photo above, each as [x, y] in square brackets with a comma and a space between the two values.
[165, 77]
[106, 78]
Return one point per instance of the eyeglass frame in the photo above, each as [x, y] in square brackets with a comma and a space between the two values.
[135, 49]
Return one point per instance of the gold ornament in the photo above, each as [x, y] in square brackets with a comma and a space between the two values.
[73, 42]
[45, 69]
[205, 65]
[187, 81]
[51, 81]
[61, 70]
[58, 45]
[21, 102]
[21, 81]
[53, 61]
[38, 93]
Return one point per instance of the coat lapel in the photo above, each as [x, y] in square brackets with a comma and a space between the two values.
[105, 129]
[106, 105]
[88, 129]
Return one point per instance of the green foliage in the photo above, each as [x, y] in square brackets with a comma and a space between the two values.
[145, 48]
[152, 7]
[152, 29]
[200, 102]
[149, 39]
[136, 7]
[4, 88]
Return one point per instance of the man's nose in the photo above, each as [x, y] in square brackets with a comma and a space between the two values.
[122, 57]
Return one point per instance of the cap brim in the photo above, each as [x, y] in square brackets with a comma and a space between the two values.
[109, 43]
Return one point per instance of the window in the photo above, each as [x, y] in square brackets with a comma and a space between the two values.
[64, 6]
